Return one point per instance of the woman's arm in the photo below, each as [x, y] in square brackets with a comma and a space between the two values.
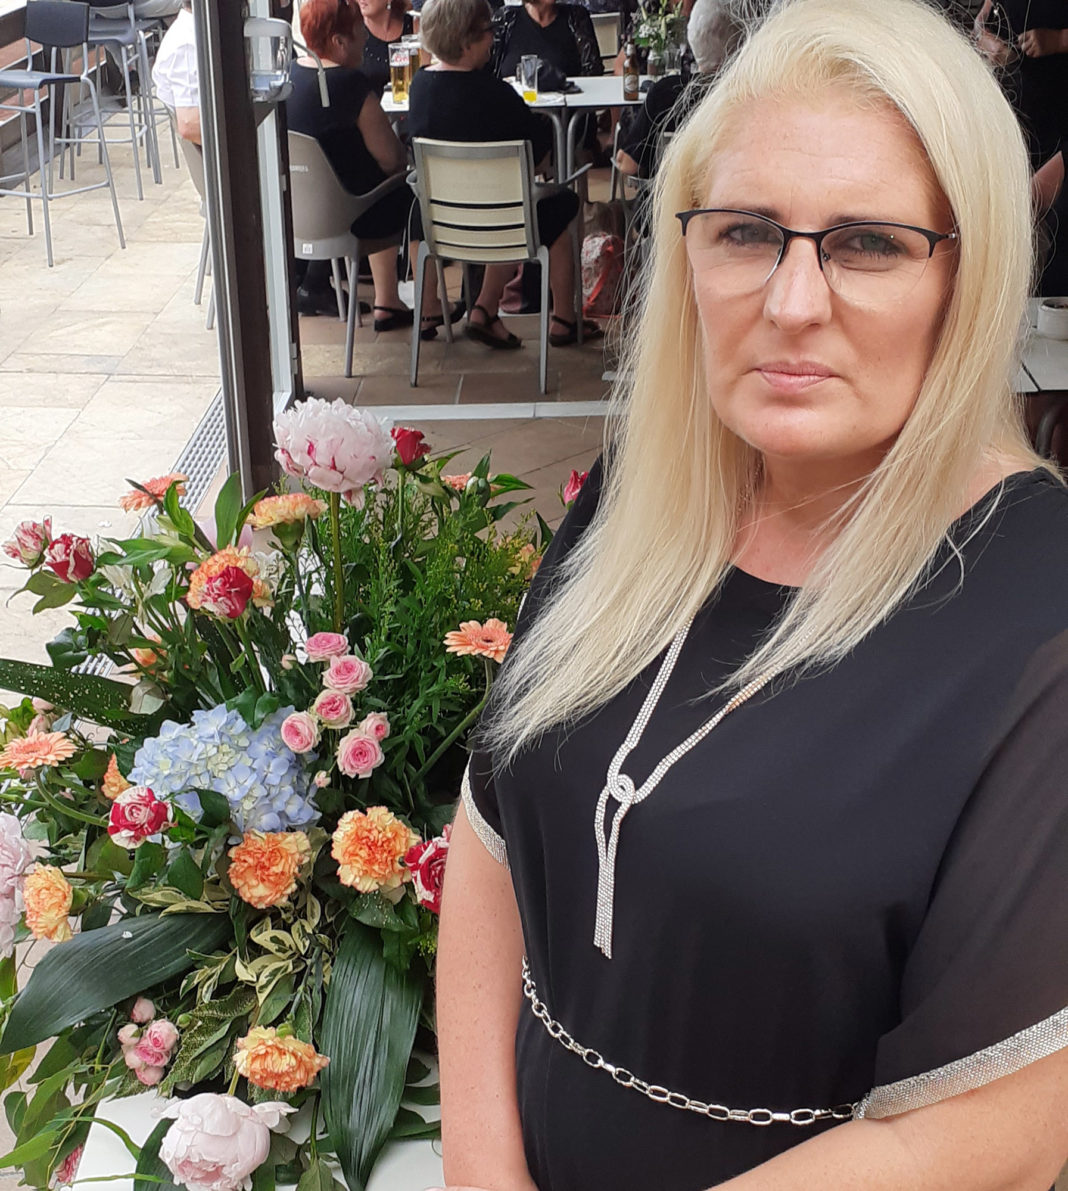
[379, 137]
[586, 37]
[1046, 184]
[479, 994]
[1010, 1135]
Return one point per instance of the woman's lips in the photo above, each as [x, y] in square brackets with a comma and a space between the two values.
[794, 376]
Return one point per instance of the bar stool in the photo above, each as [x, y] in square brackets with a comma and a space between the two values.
[56, 25]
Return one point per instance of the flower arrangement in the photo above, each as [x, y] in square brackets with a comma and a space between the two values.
[239, 837]
[659, 25]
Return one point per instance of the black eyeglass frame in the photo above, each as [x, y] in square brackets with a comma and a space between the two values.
[788, 233]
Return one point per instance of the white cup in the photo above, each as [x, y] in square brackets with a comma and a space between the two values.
[1053, 318]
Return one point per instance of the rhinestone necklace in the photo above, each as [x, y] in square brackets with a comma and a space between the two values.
[620, 787]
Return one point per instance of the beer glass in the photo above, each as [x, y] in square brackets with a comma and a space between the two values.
[400, 70]
[528, 77]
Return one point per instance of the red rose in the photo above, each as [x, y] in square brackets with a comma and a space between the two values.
[574, 485]
[411, 445]
[135, 815]
[426, 862]
[227, 593]
[70, 557]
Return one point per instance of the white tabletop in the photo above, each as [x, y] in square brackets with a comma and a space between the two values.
[603, 92]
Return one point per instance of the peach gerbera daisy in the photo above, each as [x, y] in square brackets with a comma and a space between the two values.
[282, 510]
[270, 1060]
[459, 483]
[136, 500]
[489, 640]
[232, 556]
[35, 750]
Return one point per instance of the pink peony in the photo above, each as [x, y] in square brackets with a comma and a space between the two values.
[322, 646]
[70, 557]
[574, 485]
[135, 815]
[334, 709]
[333, 446]
[300, 732]
[376, 724]
[347, 675]
[15, 859]
[143, 1011]
[216, 1142]
[29, 543]
[358, 754]
[426, 863]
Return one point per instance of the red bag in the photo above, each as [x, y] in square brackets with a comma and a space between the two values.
[602, 275]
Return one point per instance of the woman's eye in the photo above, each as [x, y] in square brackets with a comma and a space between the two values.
[748, 233]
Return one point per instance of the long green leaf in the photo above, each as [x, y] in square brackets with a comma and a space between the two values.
[86, 695]
[153, 1174]
[94, 970]
[369, 1023]
[227, 508]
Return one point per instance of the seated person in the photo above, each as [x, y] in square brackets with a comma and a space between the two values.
[360, 145]
[1051, 205]
[385, 21]
[560, 34]
[713, 32]
[175, 74]
[457, 100]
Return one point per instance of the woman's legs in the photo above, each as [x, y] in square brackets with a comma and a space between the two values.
[384, 275]
[489, 299]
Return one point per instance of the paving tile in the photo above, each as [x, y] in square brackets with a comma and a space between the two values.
[433, 389]
[10, 480]
[43, 389]
[75, 331]
[138, 293]
[25, 361]
[29, 433]
[178, 353]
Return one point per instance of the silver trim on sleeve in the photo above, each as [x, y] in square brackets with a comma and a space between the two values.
[494, 844]
[967, 1074]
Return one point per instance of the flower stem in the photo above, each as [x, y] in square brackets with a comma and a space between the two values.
[339, 569]
[250, 654]
[461, 727]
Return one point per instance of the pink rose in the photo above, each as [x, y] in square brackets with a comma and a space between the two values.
[300, 732]
[216, 1142]
[347, 675]
[129, 1036]
[29, 543]
[70, 557]
[321, 779]
[322, 646]
[376, 724]
[149, 1076]
[358, 754]
[135, 815]
[227, 594]
[67, 1170]
[411, 444]
[427, 865]
[144, 1055]
[334, 709]
[162, 1034]
[574, 485]
[143, 1011]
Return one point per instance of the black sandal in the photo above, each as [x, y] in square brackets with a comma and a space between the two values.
[430, 322]
[480, 332]
[570, 336]
[397, 318]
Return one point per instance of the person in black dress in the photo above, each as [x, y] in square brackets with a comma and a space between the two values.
[458, 100]
[385, 21]
[759, 879]
[560, 34]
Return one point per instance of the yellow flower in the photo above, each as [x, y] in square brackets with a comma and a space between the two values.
[264, 866]
[114, 783]
[283, 1064]
[136, 500]
[281, 510]
[35, 750]
[48, 896]
[489, 640]
[369, 849]
[232, 556]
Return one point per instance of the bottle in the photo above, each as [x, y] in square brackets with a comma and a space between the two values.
[630, 73]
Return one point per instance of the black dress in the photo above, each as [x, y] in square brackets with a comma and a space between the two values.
[853, 891]
[375, 64]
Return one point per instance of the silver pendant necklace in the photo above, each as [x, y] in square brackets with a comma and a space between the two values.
[620, 786]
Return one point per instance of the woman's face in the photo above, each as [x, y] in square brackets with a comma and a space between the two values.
[373, 10]
[794, 369]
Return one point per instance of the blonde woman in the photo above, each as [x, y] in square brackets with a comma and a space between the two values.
[759, 880]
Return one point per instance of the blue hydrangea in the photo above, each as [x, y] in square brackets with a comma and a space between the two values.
[265, 783]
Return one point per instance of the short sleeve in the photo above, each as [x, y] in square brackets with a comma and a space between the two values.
[480, 804]
[176, 78]
[985, 987]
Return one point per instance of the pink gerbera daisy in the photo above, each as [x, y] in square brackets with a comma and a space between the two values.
[136, 500]
[489, 640]
[35, 750]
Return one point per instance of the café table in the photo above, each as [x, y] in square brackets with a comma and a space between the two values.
[1043, 378]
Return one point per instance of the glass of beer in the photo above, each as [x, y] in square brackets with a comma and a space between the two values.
[528, 77]
[413, 45]
[400, 70]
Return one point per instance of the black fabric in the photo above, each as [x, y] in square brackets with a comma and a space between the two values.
[667, 104]
[568, 41]
[1054, 280]
[375, 64]
[1038, 87]
[855, 878]
[472, 105]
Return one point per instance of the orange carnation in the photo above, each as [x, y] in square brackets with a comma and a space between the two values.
[35, 750]
[136, 500]
[457, 483]
[282, 510]
[47, 895]
[489, 640]
[283, 1064]
[114, 783]
[264, 866]
[369, 849]
[232, 556]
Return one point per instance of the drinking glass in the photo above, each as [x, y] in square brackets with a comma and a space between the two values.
[528, 77]
[400, 70]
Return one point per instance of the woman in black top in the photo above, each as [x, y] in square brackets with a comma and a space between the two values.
[385, 21]
[458, 100]
[760, 881]
[561, 34]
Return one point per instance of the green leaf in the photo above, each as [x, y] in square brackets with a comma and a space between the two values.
[56, 598]
[42, 582]
[227, 507]
[36, 1147]
[317, 1177]
[67, 649]
[148, 861]
[97, 915]
[276, 1001]
[411, 1126]
[214, 809]
[263, 1177]
[102, 700]
[369, 1022]
[150, 1167]
[184, 873]
[15, 1110]
[93, 971]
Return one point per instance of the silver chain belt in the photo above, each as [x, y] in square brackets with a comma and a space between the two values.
[661, 1095]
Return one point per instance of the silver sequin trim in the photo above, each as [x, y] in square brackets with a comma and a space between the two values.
[493, 843]
[967, 1074]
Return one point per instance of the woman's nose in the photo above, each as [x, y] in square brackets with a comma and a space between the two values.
[797, 293]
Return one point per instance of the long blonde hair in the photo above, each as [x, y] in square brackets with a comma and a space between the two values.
[679, 480]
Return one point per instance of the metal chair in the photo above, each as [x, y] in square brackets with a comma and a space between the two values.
[478, 203]
[607, 25]
[194, 159]
[323, 214]
[55, 25]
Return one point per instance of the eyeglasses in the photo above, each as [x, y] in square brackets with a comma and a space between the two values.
[864, 263]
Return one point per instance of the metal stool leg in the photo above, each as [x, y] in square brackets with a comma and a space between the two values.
[134, 145]
[26, 167]
[339, 292]
[543, 362]
[420, 273]
[202, 268]
[107, 161]
[354, 309]
[148, 112]
[44, 180]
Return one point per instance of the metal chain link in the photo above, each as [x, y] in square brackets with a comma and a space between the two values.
[661, 1095]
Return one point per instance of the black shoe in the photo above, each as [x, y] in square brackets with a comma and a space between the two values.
[321, 301]
[396, 317]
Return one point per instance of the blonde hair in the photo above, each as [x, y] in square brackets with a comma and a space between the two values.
[679, 481]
